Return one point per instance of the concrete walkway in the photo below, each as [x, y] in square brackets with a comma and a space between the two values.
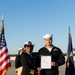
[11, 71]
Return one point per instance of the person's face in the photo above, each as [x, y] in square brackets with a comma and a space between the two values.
[48, 41]
[28, 49]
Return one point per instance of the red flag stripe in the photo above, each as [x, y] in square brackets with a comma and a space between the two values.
[5, 68]
[1, 63]
[5, 51]
[4, 56]
[2, 50]
[6, 62]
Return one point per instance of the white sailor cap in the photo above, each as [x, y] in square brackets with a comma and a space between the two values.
[47, 36]
[20, 48]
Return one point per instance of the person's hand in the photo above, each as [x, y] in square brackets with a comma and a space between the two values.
[53, 64]
[38, 69]
[32, 72]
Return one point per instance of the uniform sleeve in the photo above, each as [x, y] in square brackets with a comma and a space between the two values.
[17, 61]
[61, 58]
[37, 60]
[25, 70]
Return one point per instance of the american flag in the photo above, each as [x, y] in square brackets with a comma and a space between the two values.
[5, 63]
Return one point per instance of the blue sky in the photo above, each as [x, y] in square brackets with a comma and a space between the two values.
[26, 20]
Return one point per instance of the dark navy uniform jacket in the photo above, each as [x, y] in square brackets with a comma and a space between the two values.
[56, 56]
[27, 63]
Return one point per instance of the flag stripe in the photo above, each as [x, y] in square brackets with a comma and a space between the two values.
[5, 68]
[2, 62]
[3, 49]
[4, 56]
